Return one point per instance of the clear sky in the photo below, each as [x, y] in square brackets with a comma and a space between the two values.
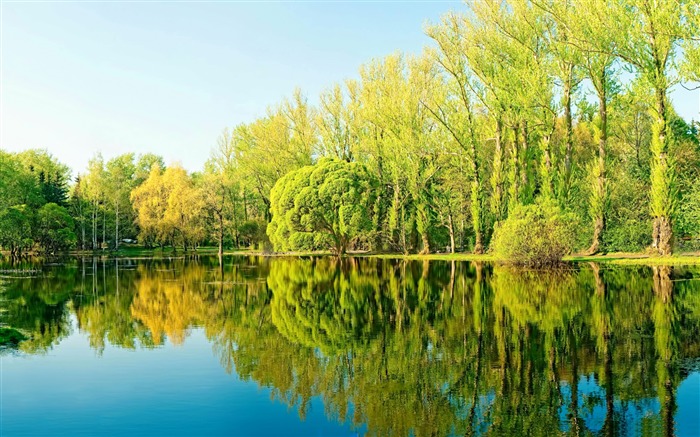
[167, 77]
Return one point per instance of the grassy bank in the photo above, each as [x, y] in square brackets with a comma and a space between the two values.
[614, 258]
[692, 258]
[620, 258]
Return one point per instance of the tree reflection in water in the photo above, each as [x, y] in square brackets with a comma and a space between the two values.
[423, 348]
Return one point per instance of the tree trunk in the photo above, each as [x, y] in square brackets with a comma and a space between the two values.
[662, 235]
[475, 192]
[116, 226]
[426, 243]
[452, 233]
[497, 174]
[568, 133]
[600, 189]
[94, 226]
[104, 227]
[598, 226]
[523, 147]
[245, 207]
[514, 173]
[661, 182]
[82, 223]
[82, 231]
[547, 182]
[221, 234]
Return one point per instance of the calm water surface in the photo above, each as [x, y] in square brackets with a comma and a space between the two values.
[278, 346]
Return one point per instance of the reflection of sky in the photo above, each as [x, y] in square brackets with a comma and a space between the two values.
[172, 390]
[182, 390]
[688, 400]
[628, 414]
[631, 414]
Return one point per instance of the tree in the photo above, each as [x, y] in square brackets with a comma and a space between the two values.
[169, 208]
[55, 228]
[150, 201]
[590, 32]
[16, 229]
[457, 113]
[691, 43]
[405, 147]
[336, 121]
[270, 147]
[51, 175]
[119, 182]
[184, 215]
[95, 189]
[322, 206]
[650, 34]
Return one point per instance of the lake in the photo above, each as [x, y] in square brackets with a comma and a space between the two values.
[315, 346]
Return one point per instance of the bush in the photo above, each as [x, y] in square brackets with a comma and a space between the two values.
[535, 235]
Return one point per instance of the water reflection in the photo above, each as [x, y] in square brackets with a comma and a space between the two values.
[400, 348]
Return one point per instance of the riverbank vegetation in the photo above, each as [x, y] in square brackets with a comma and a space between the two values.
[514, 109]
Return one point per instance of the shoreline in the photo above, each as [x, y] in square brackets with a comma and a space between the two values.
[618, 258]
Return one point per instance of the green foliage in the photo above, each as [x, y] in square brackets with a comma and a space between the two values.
[169, 208]
[536, 234]
[323, 206]
[10, 338]
[663, 190]
[16, 229]
[55, 228]
[688, 224]
[251, 233]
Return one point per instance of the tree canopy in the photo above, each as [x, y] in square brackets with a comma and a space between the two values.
[323, 206]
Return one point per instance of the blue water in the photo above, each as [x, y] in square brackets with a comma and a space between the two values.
[171, 390]
[318, 347]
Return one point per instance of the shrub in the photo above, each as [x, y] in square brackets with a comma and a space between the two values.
[536, 235]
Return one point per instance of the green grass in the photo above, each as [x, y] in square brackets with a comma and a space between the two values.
[618, 258]
[639, 259]
[129, 251]
[430, 256]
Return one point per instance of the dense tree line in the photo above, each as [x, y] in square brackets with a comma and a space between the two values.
[517, 108]
[33, 203]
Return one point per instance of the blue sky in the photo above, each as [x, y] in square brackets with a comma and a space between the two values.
[167, 77]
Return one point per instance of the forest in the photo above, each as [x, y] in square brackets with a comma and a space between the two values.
[530, 129]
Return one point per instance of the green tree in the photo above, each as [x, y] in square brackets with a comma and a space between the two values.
[590, 32]
[120, 172]
[55, 228]
[326, 205]
[16, 229]
[169, 208]
[648, 40]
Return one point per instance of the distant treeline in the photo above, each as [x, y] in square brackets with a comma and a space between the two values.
[545, 112]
